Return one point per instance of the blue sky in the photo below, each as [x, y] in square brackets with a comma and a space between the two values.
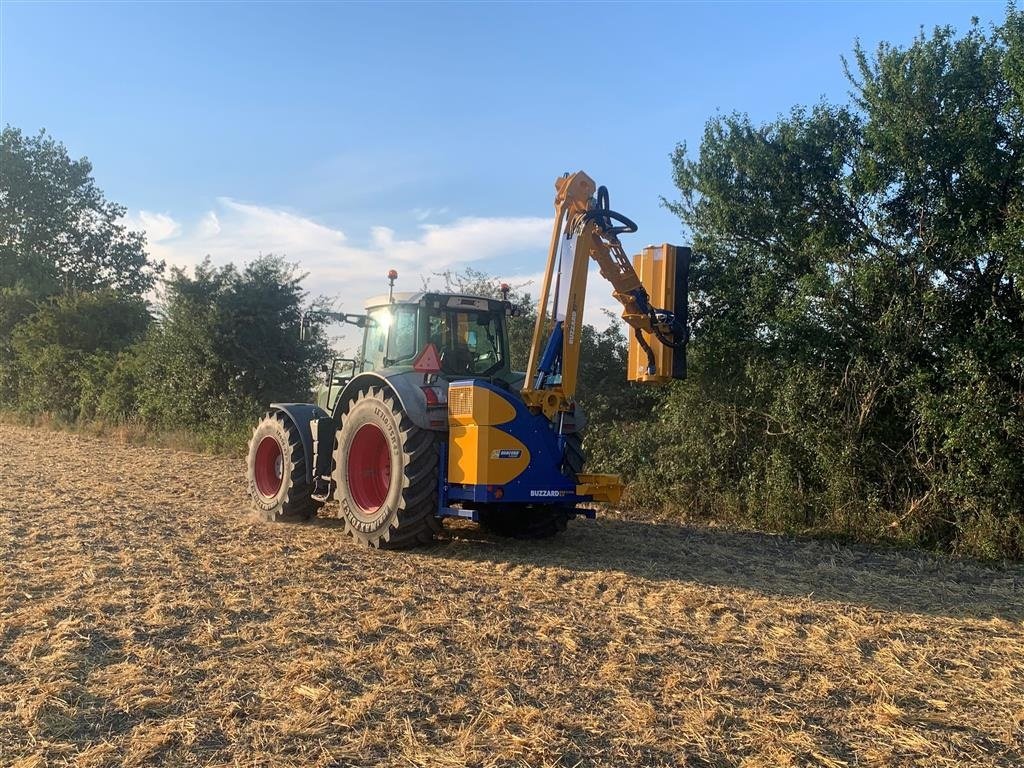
[355, 137]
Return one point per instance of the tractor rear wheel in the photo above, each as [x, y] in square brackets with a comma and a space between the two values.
[538, 521]
[276, 471]
[386, 474]
[526, 521]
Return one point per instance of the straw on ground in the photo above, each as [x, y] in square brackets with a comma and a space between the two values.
[146, 618]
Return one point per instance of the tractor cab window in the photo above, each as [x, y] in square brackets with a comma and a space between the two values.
[390, 337]
[469, 342]
[402, 339]
[376, 339]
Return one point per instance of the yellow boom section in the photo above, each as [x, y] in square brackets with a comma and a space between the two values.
[584, 229]
[572, 196]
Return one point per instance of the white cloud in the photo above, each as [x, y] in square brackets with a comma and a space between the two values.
[472, 239]
[238, 232]
[339, 267]
[209, 225]
[422, 214]
[342, 269]
[157, 226]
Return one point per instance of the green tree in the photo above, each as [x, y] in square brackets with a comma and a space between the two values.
[58, 233]
[227, 344]
[16, 304]
[858, 323]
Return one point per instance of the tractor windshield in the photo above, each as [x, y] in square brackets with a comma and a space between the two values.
[470, 342]
[390, 337]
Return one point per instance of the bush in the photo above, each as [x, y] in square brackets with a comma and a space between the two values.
[16, 304]
[62, 353]
[227, 343]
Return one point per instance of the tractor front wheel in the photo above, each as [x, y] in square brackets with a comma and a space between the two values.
[386, 474]
[276, 471]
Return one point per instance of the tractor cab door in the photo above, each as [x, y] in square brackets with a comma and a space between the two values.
[471, 341]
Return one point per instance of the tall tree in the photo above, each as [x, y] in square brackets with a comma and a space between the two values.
[858, 309]
[58, 233]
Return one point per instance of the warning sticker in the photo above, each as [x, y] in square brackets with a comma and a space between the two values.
[427, 361]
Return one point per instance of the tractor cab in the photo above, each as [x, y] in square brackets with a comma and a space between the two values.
[467, 333]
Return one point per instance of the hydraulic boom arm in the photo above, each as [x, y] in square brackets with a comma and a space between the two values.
[586, 228]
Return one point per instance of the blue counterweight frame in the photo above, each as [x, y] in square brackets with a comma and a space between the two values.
[542, 482]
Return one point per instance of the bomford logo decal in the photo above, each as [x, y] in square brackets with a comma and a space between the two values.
[547, 494]
[506, 453]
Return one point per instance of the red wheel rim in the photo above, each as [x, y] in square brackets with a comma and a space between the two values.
[369, 468]
[268, 467]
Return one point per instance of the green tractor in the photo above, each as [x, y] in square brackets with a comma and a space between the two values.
[431, 422]
[375, 428]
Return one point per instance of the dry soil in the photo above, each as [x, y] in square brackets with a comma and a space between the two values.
[146, 618]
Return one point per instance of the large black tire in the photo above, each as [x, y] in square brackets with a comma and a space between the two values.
[276, 471]
[525, 521]
[537, 521]
[386, 474]
[575, 456]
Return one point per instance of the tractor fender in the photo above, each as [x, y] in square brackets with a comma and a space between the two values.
[300, 415]
[404, 384]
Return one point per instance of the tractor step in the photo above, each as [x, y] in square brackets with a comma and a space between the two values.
[322, 489]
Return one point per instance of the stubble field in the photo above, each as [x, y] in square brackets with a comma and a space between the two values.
[146, 618]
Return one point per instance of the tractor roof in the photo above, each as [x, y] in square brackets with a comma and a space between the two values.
[415, 297]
